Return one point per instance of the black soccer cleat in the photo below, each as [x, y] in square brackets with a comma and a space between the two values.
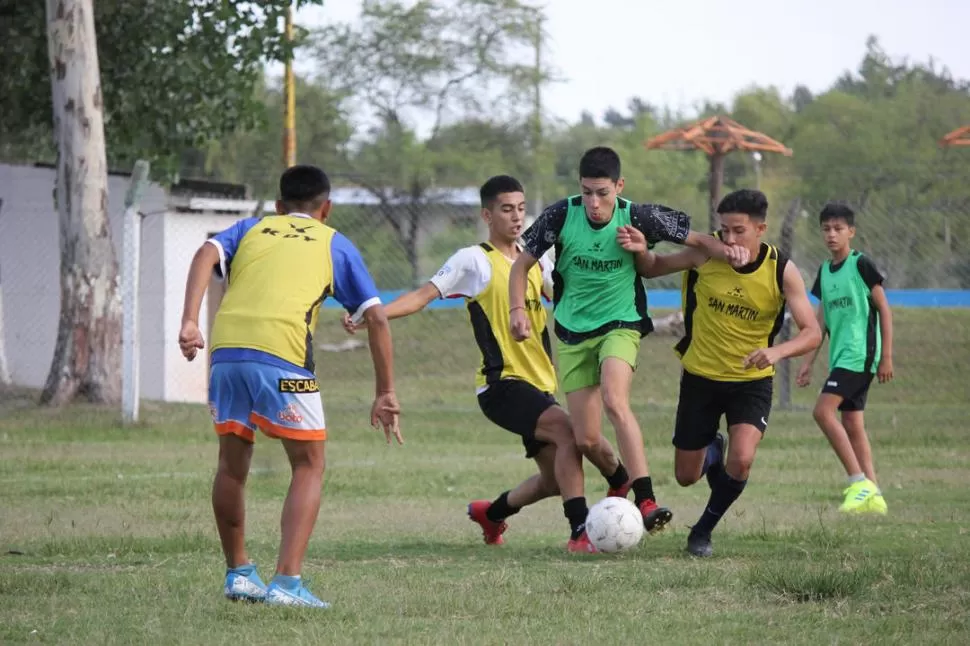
[700, 545]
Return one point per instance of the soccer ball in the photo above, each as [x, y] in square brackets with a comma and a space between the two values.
[614, 525]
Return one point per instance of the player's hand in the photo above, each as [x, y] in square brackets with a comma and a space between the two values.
[761, 359]
[385, 414]
[348, 322]
[519, 324]
[190, 340]
[885, 370]
[804, 376]
[736, 255]
[631, 239]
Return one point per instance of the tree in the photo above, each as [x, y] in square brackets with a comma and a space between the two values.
[432, 59]
[86, 357]
[175, 74]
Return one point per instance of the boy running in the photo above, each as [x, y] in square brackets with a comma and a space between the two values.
[279, 269]
[854, 311]
[515, 381]
[601, 309]
[731, 317]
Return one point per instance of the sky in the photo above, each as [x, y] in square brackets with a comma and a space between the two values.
[679, 52]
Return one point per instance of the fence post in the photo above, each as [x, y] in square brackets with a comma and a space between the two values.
[4, 370]
[130, 263]
[786, 245]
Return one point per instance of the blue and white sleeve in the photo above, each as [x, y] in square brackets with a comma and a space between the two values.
[227, 242]
[353, 286]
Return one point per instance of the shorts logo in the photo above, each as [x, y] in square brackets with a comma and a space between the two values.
[764, 422]
[299, 386]
[832, 384]
[290, 414]
[213, 411]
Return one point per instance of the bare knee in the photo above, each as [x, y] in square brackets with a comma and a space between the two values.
[739, 466]
[686, 477]
[616, 405]
[306, 457]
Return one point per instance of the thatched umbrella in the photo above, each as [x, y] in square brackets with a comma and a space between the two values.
[959, 137]
[716, 136]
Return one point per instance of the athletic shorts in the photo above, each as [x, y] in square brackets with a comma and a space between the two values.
[852, 387]
[282, 403]
[516, 406]
[579, 364]
[703, 401]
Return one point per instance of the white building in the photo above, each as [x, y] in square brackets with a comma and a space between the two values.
[173, 227]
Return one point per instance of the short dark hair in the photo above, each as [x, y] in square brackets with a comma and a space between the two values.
[752, 203]
[600, 162]
[497, 185]
[304, 188]
[837, 211]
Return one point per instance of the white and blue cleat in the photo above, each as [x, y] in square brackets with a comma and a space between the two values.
[277, 595]
[244, 587]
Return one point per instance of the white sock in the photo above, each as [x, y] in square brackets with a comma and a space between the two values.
[856, 477]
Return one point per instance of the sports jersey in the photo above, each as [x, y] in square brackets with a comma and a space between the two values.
[845, 291]
[480, 275]
[597, 288]
[279, 269]
[729, 313]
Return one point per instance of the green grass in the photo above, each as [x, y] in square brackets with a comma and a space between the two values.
[106, 533]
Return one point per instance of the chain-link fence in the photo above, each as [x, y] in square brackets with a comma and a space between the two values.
[405, 236]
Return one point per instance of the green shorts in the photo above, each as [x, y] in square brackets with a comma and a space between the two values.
[579, 365]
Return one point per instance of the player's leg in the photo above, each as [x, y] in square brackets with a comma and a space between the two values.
[747, 406]
[288, 407]
[840, 386]
[617, 360]
[853, 419]
[555, 428]
[230, 404]
[517, 407]
[579, 379]
[698, 447]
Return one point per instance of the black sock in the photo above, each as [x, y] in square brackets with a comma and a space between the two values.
[501, 509]
[619, 477]
[642, 489]
[576, 511]
[724, 491]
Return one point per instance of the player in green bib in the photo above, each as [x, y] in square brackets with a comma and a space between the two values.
[854, 311]
[601, 308]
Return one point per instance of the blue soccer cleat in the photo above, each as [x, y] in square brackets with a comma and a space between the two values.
[244, 587]
[277, 595]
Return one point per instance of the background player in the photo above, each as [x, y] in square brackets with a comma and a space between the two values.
[516, 381]
[601, 308]
[731, 317]
[279, 269]
[854, 311]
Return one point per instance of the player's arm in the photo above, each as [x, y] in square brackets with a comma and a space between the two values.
[809, 333]
[404, 305]
[536, 241]
[804, 376]
[214, 255]
[661, 223]
[873, 279]
[884, 371]
[354, 288]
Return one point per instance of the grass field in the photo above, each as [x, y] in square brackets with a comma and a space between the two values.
[107, 537]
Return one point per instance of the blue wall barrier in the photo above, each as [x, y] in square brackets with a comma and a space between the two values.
[666, 299]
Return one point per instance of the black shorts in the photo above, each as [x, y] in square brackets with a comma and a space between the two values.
[703, 401]
[516, 406]
[852, 387]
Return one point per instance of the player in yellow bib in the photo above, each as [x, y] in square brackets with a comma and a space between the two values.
[731, 317]
[279, 269]
[515, 382]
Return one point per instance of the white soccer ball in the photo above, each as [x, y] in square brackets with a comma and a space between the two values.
[614, 525]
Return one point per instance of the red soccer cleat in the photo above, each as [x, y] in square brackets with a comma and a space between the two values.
[654, 518]
[619, 492]
[491, 531]
[581, 545]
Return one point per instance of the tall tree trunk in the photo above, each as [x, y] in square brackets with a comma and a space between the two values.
[786, 245]
[715, 180]
[87, 356]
